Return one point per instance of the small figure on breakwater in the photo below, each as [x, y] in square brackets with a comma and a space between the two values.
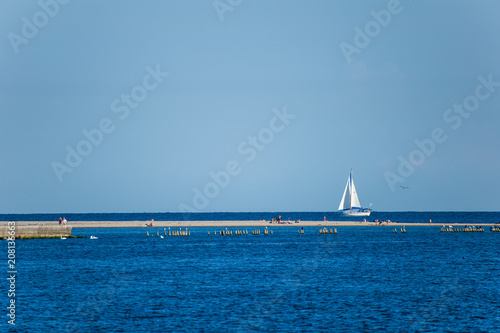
[60, 220]
[64, 221]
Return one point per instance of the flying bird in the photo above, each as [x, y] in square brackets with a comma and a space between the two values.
[404, 187]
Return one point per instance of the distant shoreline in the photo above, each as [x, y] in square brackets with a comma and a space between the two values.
[187, 224]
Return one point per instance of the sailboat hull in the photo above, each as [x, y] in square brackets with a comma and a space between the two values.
[356, 213]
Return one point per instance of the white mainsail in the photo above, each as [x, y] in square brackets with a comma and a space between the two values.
[354, 195]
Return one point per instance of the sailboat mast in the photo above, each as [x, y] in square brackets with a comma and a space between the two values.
[350, 190]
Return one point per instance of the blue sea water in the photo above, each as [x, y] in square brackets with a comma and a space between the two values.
[409, 217]
[363, 279]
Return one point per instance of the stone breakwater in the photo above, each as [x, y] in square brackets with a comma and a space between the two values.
[34, 231]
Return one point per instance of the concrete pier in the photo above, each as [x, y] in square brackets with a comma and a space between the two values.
[38, 231]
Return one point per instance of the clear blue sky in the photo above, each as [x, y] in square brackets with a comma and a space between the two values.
[345, 100]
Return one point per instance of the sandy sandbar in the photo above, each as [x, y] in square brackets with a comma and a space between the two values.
[144, 224]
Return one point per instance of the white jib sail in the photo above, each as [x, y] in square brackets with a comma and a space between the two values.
[345, 203]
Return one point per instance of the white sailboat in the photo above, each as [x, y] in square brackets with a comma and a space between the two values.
[349, 205]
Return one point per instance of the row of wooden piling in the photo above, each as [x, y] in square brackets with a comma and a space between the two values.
[171, 233]
[466, 229]
[257, 232]
[326, 231]
[266, 232]
[230, 233]
[226, 232]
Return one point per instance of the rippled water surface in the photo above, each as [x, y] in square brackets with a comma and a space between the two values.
[408, 217]
[362, 279]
